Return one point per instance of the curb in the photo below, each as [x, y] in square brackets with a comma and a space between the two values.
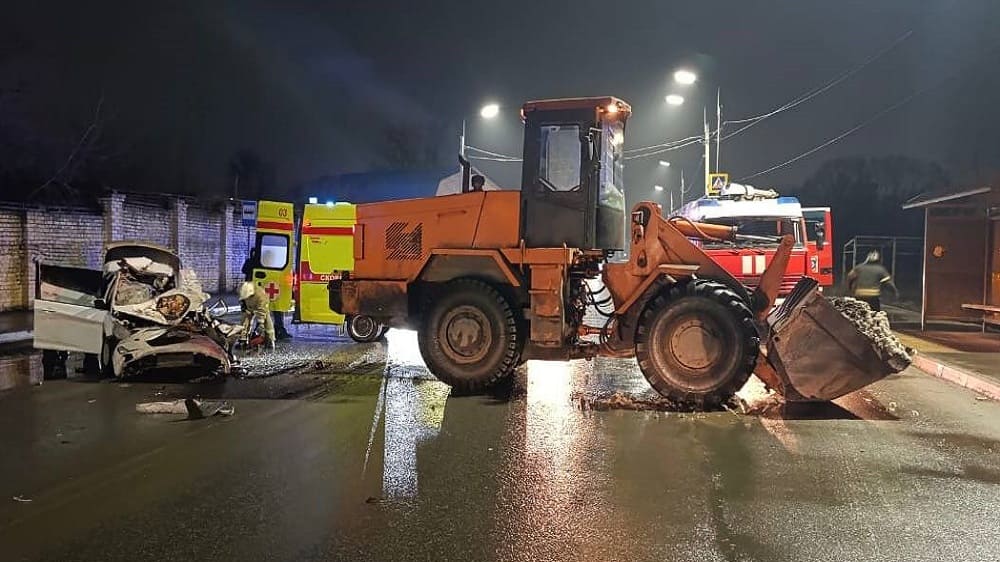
[16, 337]
[972, 381]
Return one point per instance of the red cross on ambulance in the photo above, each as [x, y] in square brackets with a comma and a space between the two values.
[272, 291]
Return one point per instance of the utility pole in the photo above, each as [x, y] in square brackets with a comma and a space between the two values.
[461, 141]
[708, 150]
[718, 127]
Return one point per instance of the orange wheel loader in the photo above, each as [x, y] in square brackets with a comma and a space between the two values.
[491, 279]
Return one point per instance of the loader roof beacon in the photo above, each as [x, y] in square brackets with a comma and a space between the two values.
[486, 293]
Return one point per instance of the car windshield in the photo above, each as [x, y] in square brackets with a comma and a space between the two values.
[771, 227]
[612, 165]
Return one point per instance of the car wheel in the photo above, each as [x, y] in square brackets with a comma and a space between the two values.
[107, 349]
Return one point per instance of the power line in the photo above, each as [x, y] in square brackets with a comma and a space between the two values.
[818, 147]
[751, 121]
[492, 159]
[663, 145]
[490, 153]
[696, 140]
[941, 80]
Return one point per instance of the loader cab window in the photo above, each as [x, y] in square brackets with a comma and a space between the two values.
[612, 193]
[273, 251]
[560, 159]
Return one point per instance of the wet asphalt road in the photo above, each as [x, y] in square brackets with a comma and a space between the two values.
[361, 458]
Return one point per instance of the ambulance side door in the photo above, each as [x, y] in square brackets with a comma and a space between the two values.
[275, 244]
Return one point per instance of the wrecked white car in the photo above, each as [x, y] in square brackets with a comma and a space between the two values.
[140, 312]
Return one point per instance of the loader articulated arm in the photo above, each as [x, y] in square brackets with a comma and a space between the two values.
[664, 246]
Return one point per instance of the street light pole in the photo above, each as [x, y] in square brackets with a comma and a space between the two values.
[708, 151]
[718, 127]
[461, 141]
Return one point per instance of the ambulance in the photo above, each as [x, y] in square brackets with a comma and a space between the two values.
[298, 260]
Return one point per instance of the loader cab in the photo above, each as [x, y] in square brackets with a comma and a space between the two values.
[571, 186]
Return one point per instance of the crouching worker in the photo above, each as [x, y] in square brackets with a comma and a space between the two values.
[254, 302]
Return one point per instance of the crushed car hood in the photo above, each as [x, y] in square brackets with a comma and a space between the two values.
[149, 310]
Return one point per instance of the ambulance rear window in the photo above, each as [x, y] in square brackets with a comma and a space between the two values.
[273, 251]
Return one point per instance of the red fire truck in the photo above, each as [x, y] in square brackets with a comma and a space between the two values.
[768, 217]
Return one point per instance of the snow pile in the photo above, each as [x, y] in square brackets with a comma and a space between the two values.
[875, 326]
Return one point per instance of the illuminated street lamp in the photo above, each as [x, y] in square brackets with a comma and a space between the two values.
[658, 187]
[674, 99]
[664, 163]
[489, 111]
[685, 77]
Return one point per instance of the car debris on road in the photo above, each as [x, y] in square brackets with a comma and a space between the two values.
[194, 409]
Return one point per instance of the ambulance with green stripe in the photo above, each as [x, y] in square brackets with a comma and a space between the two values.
[299, 255]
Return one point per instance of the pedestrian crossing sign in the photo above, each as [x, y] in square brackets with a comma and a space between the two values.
[716, 183]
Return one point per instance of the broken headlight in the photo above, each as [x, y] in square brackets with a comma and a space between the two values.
[173, 307]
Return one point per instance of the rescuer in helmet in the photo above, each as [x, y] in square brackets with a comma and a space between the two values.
[865, 281]
[254, 303]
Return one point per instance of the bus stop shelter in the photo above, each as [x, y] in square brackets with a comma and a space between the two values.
[961, 266]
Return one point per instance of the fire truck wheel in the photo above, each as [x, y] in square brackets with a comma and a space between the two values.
[696, 343]
[364, 329]
[469, 337]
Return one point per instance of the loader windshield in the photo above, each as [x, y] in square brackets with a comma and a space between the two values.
[612, 192]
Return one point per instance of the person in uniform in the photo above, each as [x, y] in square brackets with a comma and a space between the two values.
[254, 302]
[865, 281]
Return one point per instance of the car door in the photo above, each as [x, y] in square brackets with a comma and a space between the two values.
[69, 311]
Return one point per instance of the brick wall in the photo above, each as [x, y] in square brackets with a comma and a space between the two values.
[146, 218]
[63, 236]
[13, 260]
[199, 245]
[209, 239]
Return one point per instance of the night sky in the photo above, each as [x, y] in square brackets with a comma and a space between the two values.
[311, 86]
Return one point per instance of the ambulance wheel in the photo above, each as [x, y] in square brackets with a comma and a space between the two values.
[364, 329]
[469, 336]
[696, 343]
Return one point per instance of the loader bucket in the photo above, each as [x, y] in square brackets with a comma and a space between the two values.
[817, 353]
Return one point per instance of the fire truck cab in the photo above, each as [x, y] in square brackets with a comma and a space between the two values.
[769, 217]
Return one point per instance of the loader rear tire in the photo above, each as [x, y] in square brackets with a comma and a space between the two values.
[696, 343]
[470, 337]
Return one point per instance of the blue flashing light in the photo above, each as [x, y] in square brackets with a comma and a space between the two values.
[313, 200]
[329, 203]
[708, 203]
[787, 200]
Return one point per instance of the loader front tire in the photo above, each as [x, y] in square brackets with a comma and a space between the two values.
[469, 336]
[696, 343]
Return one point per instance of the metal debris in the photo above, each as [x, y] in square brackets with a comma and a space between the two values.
[875, 326]
[21, 499]
[194, 409]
